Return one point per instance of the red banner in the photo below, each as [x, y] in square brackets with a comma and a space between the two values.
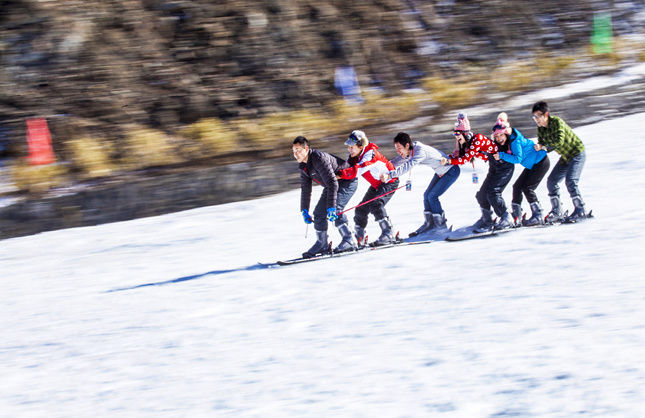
[39, 141]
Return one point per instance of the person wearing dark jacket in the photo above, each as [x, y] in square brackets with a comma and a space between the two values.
[322, 167]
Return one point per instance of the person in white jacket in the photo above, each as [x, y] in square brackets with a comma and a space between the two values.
[412, 153]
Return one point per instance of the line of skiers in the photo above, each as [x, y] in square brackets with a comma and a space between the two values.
[506, 148]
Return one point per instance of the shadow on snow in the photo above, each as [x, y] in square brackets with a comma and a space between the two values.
[194, 277]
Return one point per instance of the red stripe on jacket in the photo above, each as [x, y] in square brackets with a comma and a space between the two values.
[371, 164]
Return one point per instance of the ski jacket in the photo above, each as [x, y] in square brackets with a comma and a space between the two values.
[420, 154]
[480, 147]
[370, 164]
[522, 151]
[560, 137]
[320, 167]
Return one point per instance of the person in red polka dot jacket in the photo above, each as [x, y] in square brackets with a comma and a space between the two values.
[499, 174]
[468, 144]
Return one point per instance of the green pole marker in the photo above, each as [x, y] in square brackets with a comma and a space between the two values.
[601, 38]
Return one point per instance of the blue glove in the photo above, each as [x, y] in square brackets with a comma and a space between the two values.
[306, 216]
[408, 185]
[331, 214]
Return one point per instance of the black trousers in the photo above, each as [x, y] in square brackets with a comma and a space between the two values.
[490, 194]
[346, 189]
[377, 206]
[529, 180]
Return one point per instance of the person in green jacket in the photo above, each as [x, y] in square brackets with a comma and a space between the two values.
[555, 135]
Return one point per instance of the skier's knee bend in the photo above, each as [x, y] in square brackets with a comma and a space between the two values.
[360, 221]
[482, 198]
[320, 223]
[379, 214]
[342, 219]
[552, 187]
[572, 187]
[518, 189]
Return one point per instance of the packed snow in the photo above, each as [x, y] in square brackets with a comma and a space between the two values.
[172, 315]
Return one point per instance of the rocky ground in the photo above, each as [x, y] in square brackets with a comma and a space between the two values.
[99, 66]
[170, 190]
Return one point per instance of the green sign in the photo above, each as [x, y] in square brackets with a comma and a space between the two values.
[601, 37]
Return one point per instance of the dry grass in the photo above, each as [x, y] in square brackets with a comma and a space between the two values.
[38, 178]
[212, 137]
[346, 112]
[147, 148]
[207, 138]
[452, 92]
[339, 116]
[522, 75]
[379, 108]
[286, 125]
[91, 156]
[630, 48]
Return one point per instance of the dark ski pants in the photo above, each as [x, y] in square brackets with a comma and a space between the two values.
[437, 187]
[346, 189]
[529, 180]
[498, 177]
[571, 171]
[377, 206]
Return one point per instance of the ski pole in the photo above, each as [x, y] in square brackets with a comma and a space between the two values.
[364, 203]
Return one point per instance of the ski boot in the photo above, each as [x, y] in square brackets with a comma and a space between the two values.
[578, 211]
[505, 221]
[359, 234]
[485, 223]
[516, 212]
[348, 243]
[428, 224]
[321, 246]
[556, 212]
[439, 220]
[387, 237]
[536, 216]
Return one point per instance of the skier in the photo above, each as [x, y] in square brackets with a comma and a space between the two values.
[323, 167]
[536, 165]
[554, 134]
[413, 153]
[365, 160]
[498, 177]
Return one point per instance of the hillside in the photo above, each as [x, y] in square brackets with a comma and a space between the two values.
[105, 68]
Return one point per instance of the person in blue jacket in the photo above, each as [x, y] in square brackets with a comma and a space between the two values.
[536, 164]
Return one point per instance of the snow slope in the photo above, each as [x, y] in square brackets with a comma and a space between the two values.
[171, 316]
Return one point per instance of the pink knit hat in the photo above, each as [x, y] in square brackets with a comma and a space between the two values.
[501, 125]
[462, 123]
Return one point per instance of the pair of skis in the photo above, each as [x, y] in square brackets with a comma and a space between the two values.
[461, 234]
[423, 239]
[466, 233]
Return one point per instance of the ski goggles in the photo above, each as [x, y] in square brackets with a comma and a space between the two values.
[352, 140]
